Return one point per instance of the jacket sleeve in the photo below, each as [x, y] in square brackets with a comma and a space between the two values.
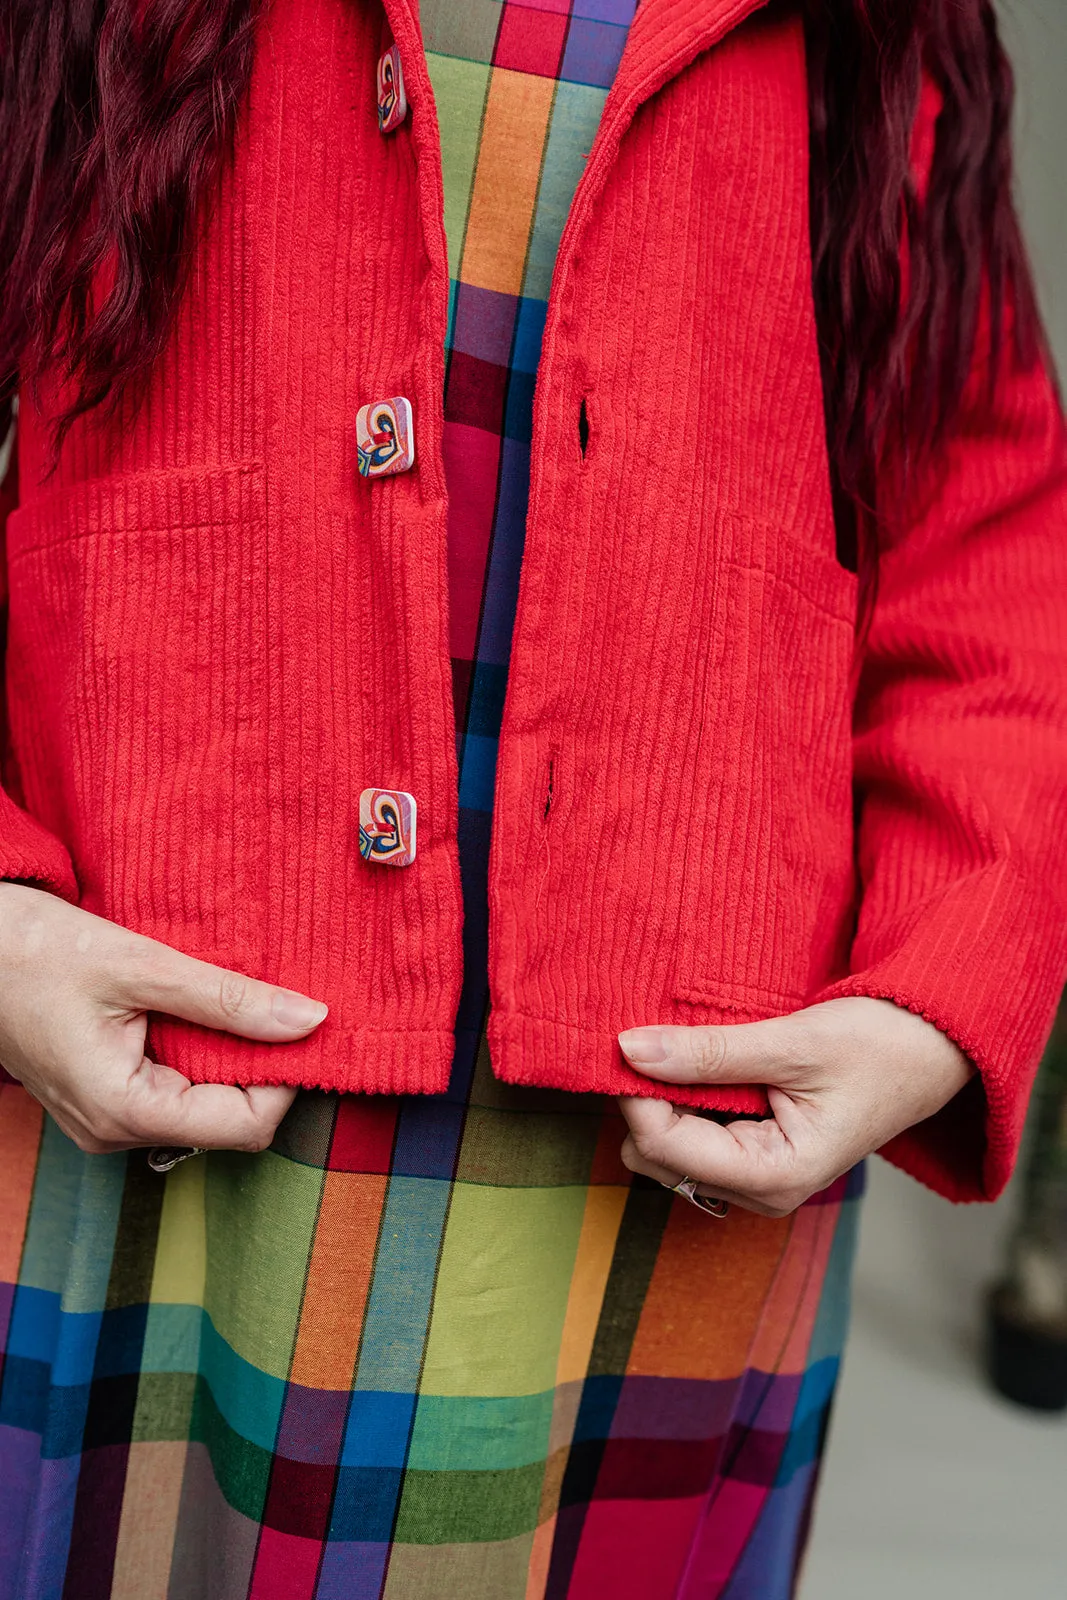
[960, 766]
[28, 851]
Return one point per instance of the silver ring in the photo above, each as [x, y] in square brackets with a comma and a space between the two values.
[687, 1187]
[166, 1156]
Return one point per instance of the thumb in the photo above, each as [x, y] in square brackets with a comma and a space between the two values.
[180, 986]
[767, 1052]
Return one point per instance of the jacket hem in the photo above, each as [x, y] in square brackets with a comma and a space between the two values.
[365, 1061]
[546, 1053]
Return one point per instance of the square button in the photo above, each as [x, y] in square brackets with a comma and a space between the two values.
[385, 438]
[387, 827]
[392, 101]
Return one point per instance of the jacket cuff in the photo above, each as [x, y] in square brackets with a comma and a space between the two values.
[985, 962]
[30, 854]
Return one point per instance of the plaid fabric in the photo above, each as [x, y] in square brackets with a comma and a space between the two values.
[435, 1345]
[418, 1347]
[519, 90]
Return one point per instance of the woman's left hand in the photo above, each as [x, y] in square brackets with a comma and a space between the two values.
[843, 1078]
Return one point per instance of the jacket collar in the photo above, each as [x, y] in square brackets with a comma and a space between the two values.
[666, 35]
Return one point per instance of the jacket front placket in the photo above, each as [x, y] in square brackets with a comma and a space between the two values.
[665, 37]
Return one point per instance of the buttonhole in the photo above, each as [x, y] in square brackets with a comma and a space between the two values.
[583, 427]
[548, 793]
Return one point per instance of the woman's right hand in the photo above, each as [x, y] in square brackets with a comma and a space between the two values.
[75, 991]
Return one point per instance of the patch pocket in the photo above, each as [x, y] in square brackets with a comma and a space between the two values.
[137, 654]
[768, 878]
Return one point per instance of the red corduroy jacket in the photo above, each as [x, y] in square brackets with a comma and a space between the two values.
[218, 633]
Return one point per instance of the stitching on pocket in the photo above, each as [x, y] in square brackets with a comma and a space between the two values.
[141, 502]
[772, 582]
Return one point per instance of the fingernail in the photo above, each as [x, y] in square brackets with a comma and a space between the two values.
[643, 1046]
[296, 1010]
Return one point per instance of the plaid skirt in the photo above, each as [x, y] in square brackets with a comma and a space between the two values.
[419, 1347]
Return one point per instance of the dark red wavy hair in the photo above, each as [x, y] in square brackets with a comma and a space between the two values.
[117, 114]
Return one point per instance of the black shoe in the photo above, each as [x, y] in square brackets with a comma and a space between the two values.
[1027, 1361]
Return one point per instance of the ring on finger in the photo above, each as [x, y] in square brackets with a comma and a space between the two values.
[703, 1202]
[164, 1157]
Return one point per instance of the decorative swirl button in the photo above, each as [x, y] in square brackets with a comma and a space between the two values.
[387, 827]
[392, 101]
[385, 438]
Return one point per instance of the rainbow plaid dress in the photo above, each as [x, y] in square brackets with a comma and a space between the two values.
[441, 1345]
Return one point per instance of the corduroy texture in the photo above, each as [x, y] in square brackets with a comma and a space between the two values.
[673, 825]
